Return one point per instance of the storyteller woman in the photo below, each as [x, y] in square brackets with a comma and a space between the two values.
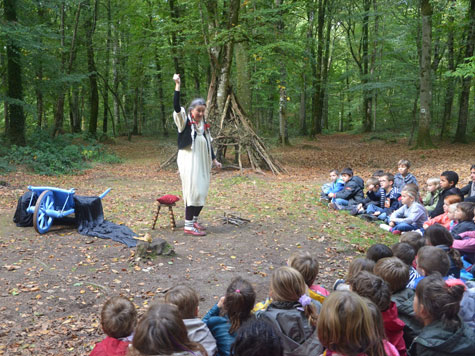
[195, 157]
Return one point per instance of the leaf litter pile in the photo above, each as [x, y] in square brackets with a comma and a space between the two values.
[54, 285]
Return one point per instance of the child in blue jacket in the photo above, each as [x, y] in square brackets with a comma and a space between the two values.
[334, 186]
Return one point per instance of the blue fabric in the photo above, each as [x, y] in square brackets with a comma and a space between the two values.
[342, 202]
[400, 181]
[404, 227]
[219, 327]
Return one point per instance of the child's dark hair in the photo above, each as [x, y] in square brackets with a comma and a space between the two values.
[185, 298]
[348, 171]
[358, 265]
[378, 173]
[467, 208]
[394, 272]
[433, 259]
[372, 287]
[441, 301]
[414, 239]
[239, 301]
[257, 338]
[161, 331]
[437, 235]
[389, 176]
[404, 252]
[451, 177]
[472, 166]
[377, 251]
[346, 325]
[118, 317]
[404, 162]
[288, 285]
[335, 171]
[306, 264]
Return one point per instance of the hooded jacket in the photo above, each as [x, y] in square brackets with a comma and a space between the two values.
[404, 300]
[393, 327]
[436, 340]
[352, 191]
[298, 337]
[199, 332]
[110, 347]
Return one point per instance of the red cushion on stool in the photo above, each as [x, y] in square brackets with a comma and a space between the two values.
[168, 199]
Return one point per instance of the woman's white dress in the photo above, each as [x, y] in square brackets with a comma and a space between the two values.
[194, 163]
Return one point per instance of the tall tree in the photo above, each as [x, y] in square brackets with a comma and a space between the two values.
[283, 133]
[423, 133]
[460, 135]
[90, 27]
[16, 116]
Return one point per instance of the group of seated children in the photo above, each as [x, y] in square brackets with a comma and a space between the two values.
[395, 203]
[397, 301]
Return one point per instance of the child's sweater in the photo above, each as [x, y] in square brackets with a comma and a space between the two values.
[414, 215]
[439, 208]
[431, 199]
[219, 327]
[110, 347]
[393, 327]
[400, 181]
[389, 201]
[199, 332]
[442, 219]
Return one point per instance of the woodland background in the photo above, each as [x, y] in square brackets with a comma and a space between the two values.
[104, 68]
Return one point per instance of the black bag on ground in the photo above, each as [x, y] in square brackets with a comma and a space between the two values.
[22, 218]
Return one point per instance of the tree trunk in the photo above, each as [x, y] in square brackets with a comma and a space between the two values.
[374, 54]
[367, 100]
[243, 78]
[16, 130]
[303, 106]
[177, 52]
[115, 76]
[460, 135]
[283, 133]
[90, 26]
[326, 65]
[5, 104]
[135, 129]
[75, 110]
[318, 95]
[107, 68]
[313, 64]
[423, 135]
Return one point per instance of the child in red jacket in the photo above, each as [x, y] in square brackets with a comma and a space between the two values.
[118, 318]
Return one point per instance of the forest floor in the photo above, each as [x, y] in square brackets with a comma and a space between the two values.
[54, 285]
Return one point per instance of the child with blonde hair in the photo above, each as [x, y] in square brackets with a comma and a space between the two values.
[292, 313]
[411, 216]
[161, 331]
[431, 199]
[347, 327]
[226, 317]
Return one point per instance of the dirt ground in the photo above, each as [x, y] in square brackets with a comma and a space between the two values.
[53, 285]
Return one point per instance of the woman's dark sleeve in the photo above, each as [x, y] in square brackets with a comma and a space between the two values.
[176, 102]
[213, 156]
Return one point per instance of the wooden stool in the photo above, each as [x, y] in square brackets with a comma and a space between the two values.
[170, 203]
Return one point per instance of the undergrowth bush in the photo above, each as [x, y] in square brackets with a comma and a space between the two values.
[65, 154]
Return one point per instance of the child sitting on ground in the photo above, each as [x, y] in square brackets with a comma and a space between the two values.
[186, 299]
[437, 305]
[467, 246]
[346, 327]
[292, 313]
[411, 216]
[464, 215]
[432, 197]
[236, 306]
[448, 182]
[377, 251]
[430, 260]
[396, 273]
[469, 190]
[403, 176]
[257, 338]
[377, 290]
[307, 265]
[351, 194]
[389, 196]
[161, 331]
[438, 236]
[444, 219]
[118, 318]
[372, 196]
[336, 184]
[407, 254]
[356, 266]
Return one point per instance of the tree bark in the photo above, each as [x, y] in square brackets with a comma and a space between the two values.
[16, 131]
[90, 25]
[107, 68]
[460, 135]
[115, 76]
[303, 106]
[318, 95]
[283, 133]
[367, 99]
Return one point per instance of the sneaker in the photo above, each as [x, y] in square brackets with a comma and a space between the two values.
[385, 227]
[368, 217]
[337, 283]
[195, 232]
[198, 226]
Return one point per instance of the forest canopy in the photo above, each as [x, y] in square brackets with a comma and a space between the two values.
[104, 67]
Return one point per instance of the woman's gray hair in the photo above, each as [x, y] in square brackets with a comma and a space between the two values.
[196, 102]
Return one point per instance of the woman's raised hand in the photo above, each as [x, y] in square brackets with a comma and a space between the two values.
[176, 78]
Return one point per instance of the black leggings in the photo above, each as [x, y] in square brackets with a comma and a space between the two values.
[191, 211]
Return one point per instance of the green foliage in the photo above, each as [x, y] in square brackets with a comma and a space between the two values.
[65, 154]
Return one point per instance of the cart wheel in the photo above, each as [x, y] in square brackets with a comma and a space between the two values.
[41, 221]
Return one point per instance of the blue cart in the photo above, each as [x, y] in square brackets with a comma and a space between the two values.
[52, 203]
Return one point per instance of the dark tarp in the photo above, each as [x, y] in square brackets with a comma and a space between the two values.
[89, 218]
